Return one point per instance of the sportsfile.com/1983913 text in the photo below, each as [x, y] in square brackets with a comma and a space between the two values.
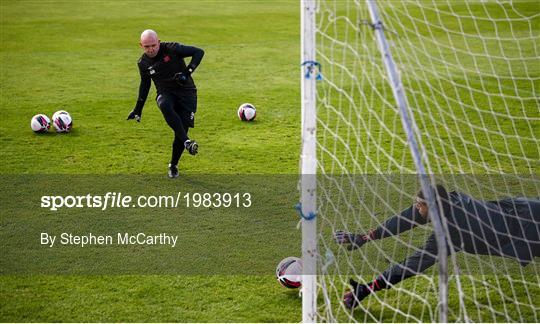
[120, 200]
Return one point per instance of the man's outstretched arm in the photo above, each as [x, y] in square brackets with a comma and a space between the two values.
[406, 220]
[144, 88]
[417, 263]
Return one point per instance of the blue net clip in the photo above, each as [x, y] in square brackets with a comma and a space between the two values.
[311, 68]
[308, 217]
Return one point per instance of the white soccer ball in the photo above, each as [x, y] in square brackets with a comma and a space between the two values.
[289, 272]
[63, 112]
[62, 121]
[40, 123]
[247, 112]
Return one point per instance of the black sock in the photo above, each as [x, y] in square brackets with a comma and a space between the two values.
[177, 150]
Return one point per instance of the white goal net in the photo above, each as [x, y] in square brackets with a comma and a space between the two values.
[470, 73]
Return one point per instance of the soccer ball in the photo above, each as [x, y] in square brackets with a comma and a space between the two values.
[60, 112]
[40, 123]
[289, 272]
[247, 112]
[62, 121]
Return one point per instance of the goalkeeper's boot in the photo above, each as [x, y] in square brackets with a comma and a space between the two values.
[173, 171]
[192, 147]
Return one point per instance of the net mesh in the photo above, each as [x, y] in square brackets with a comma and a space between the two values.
[470, 71]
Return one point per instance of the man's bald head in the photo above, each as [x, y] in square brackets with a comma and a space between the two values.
[149, 34]
[150, 42]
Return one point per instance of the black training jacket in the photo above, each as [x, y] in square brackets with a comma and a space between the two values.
[509, 228]
[162, 68]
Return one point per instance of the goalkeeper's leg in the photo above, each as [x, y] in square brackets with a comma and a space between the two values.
[186, 108]
[188, 120]
[177, 149]
[166, 105]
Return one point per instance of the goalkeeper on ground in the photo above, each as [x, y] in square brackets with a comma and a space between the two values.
[508, 228]
[164, 63]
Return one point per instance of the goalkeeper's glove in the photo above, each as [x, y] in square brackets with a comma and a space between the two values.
[135, 114]
[355, 240]
[182, 77]
[352, 298]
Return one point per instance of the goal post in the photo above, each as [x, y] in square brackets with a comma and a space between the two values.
[308, 162]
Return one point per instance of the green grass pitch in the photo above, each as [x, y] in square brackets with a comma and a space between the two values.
[81, 56]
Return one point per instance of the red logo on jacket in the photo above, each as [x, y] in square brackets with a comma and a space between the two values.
[167, 58]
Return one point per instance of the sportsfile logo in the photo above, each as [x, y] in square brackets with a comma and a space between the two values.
[109, 200]
[119, 200]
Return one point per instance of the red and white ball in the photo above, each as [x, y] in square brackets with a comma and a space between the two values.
[289, 272]
[247, 112]
[62, 121]
[40, 123]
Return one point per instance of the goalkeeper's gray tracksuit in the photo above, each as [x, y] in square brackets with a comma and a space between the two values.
[509, 228]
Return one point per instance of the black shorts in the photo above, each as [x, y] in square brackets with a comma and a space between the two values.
[188, 118]
[184, 104]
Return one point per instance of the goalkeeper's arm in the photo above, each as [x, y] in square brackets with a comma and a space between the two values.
[354, 240]
[417, 263]
[406, 220]
[421, 260]
[196, 55]
[144, 88]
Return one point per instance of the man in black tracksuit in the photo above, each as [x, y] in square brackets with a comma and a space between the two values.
[508, 228]
[164, 63]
